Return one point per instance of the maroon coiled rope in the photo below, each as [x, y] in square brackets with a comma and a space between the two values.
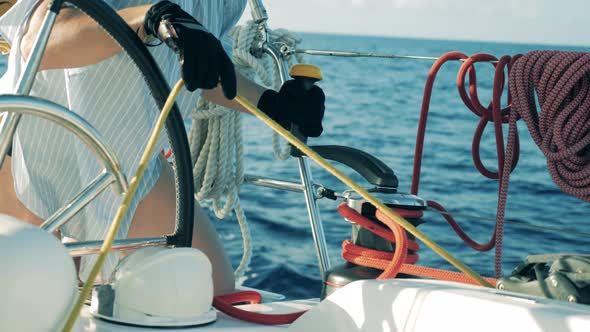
[561, 81]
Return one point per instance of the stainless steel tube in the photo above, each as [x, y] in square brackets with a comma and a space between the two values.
[278, 60]
[307, 181]
[273, 183]
[317, 228]
[258, 11]
[93, 247]
[9, 122]
[65, 214]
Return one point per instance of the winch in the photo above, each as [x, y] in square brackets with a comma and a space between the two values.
[407, 205]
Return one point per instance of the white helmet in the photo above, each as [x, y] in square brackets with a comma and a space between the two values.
[38, 281]
[158, 287]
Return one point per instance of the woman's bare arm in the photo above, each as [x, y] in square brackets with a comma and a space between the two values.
[76, 40]
[248, 89]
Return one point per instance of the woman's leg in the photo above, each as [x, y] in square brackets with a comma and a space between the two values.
[155, 216]
[9, 203]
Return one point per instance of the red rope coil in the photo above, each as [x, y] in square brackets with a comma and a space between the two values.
[400, 261]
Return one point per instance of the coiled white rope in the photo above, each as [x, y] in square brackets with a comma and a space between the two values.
[216, 135]
[264, 69]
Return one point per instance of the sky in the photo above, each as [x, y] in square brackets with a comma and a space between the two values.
[564, 22]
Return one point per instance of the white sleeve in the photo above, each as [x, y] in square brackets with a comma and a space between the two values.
[12, 21]
[233, 11]
[218, 16]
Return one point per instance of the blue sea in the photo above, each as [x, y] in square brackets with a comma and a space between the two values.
[374, 105]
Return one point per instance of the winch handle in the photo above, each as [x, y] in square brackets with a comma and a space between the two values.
[308, 75]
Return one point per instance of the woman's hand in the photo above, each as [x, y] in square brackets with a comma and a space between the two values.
[204, 61]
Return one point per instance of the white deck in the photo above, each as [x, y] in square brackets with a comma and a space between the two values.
[406, 305]
[223, 323]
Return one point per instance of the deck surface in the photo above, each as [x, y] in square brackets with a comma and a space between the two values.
[89, 323]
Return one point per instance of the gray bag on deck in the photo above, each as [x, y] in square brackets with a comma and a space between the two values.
[557, 276]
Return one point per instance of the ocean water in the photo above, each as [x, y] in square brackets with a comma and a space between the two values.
[374, 105]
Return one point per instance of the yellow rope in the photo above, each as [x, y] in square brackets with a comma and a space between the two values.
[133, 185]
[4, 47]
[361, 191]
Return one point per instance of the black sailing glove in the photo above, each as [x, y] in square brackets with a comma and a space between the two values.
[294, 104]
[203, 59]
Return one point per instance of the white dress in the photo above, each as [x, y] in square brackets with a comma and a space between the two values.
[50, 166]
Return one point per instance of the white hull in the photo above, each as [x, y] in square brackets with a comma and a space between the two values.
[405, 305]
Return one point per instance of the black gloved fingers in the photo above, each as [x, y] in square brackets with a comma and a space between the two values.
[317, 95]
[295, 104]
[310, 110]
[187, 75]
[204, 62]
[190, 72]
[154, 15]
[293, 88]
[227, 74]
[312, 130]
[269, 104]
[210, 71]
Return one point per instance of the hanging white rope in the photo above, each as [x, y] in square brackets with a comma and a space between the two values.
[216, 135]
[264, 69]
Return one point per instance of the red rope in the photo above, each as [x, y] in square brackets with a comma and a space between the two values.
[492, 113]
[375, 228]
[466, 238]
[393, 263]
[225, 303]
[167, 153]
[419, 148]
[562, 129]
[366, 257]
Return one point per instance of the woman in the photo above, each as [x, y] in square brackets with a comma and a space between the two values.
[84, 70]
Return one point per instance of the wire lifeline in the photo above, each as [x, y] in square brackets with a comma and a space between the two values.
[133, 185]
[361, 191]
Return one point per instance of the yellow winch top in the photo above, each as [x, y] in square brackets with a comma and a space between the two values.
[305, 70]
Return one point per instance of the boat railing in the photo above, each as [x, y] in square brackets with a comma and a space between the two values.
[265, 46]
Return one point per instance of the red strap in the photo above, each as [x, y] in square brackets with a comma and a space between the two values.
[167, 154]
[225, 303]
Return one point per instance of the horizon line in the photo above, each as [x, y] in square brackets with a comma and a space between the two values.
[508, 42]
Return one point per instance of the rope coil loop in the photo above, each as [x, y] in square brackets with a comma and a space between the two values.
[491, 113]
[399, 261]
